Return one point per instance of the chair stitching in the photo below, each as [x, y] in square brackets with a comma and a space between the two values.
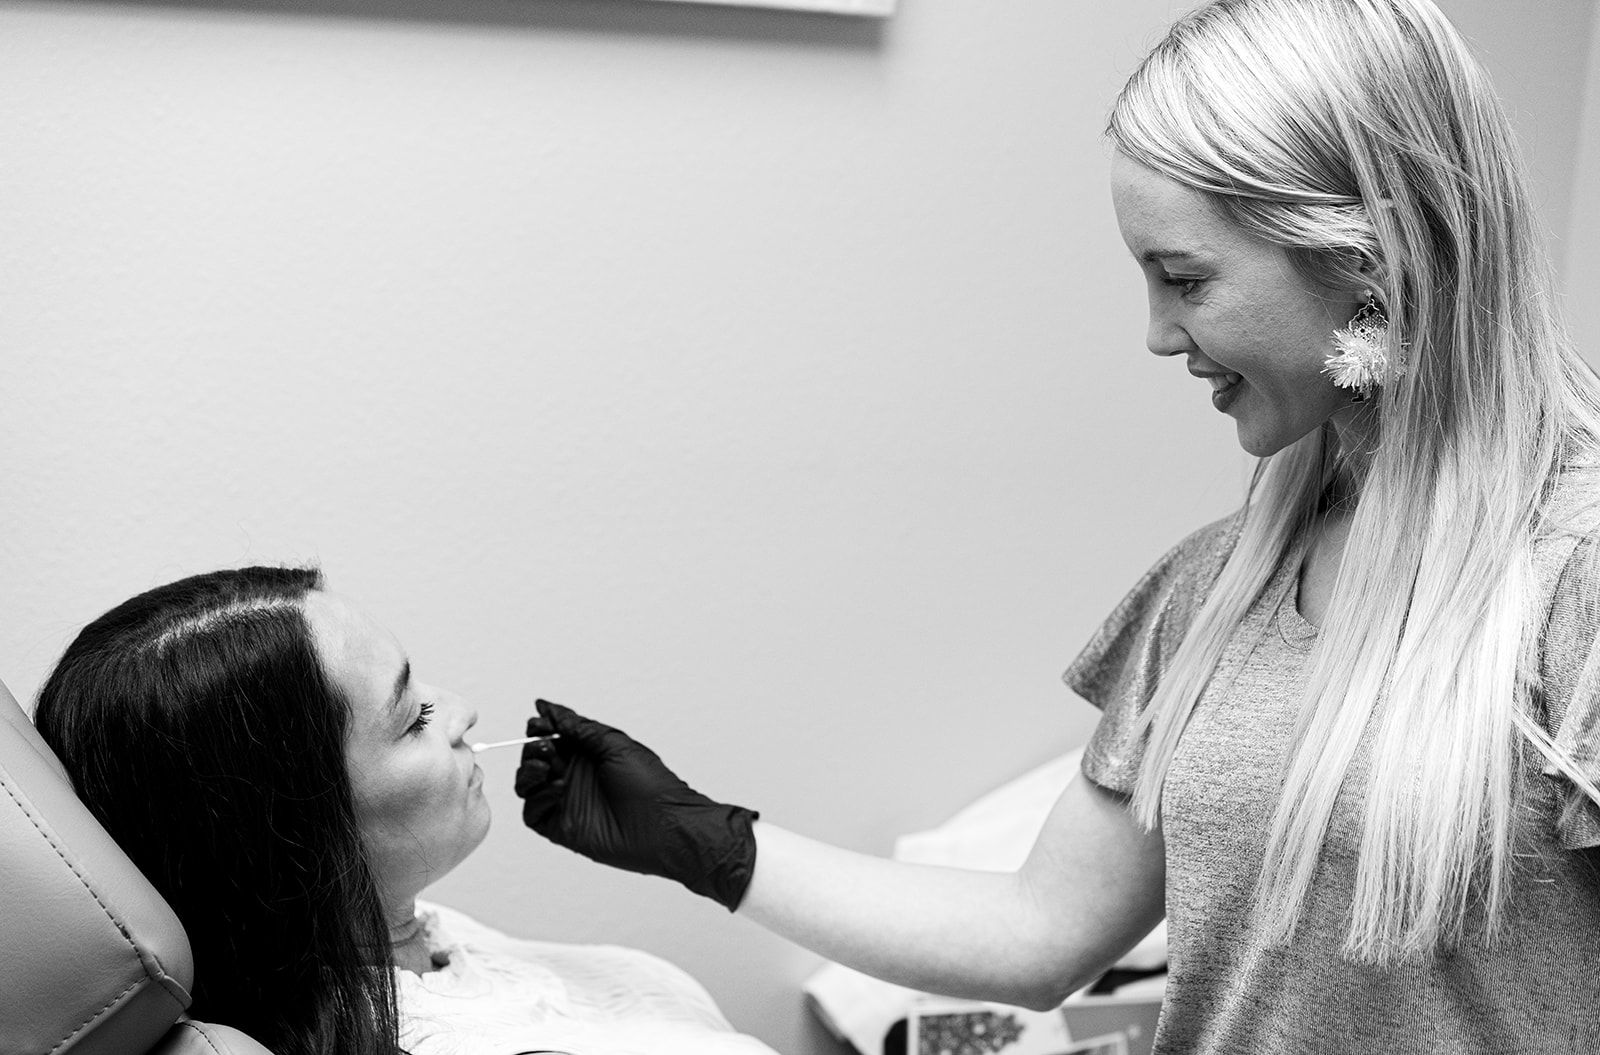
[203, 1036]
[26, 812]
[74, 868]
[67, 1039]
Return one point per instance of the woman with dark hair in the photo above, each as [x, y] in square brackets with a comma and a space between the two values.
[261, 750]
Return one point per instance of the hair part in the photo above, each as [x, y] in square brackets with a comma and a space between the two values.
[199, 727]
[1363, 138]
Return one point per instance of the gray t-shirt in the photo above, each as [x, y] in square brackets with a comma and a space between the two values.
[1537, 990]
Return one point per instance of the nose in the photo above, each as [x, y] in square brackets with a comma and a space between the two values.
[1165, 337]
[466, 717]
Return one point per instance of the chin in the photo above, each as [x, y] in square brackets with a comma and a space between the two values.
[474, 829]
[1260, 446]
[1264, 443]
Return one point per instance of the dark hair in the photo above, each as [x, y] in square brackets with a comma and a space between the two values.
[198, 726]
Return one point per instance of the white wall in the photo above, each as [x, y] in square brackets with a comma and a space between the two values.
[1537, 51]
[770, 385]
[1582, 243]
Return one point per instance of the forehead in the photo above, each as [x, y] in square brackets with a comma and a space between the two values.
[359, 655]
[1157, 214]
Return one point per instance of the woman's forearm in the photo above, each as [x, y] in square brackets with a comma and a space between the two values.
[1092, 887]
[943, 930]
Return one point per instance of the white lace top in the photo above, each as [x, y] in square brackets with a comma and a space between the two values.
[500, 995]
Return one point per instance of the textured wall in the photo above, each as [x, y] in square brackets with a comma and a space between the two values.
[770, 385]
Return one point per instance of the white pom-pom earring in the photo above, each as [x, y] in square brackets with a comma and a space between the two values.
[1361, 359]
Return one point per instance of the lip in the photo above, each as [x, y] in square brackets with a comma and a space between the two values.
[476, 778]
[1223, 398]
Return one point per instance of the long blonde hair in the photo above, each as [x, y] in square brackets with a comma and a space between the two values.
[1363, 138]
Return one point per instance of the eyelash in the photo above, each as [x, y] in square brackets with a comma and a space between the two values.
[423, 714]
[1187, 285]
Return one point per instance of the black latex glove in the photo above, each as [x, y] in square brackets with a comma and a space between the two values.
[598, 791]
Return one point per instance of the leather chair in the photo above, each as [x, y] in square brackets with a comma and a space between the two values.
[92, 960]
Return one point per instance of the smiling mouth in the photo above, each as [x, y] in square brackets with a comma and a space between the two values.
[1224, 387]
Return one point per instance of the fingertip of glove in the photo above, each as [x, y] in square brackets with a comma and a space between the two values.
[568, 722]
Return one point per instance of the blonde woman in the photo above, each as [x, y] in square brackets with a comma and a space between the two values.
[1351, 740]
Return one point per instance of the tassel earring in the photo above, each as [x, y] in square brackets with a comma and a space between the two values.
[1361, 362]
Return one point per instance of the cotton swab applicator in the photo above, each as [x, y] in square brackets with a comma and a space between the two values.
[512, 743]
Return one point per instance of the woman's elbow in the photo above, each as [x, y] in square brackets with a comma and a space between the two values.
[1043, 988]
[1036, 1000]
[1047, 994]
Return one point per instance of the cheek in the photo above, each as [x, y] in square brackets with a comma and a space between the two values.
[380, 804]
[395, 796]
[1304, 330]
[1283, 351]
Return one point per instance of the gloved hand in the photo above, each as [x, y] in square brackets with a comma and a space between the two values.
[598, 791]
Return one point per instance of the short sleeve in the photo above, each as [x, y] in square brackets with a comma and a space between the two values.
[1570, 678]
[1119, 669]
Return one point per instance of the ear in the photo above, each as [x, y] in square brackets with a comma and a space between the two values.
[1375, 279]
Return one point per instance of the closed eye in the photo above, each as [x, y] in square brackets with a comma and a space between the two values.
[424, 713]
[1186, 285]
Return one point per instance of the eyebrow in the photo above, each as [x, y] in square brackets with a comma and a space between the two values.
[1156, 256]
[400, 683]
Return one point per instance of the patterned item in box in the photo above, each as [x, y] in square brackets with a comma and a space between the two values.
[1093, 1025]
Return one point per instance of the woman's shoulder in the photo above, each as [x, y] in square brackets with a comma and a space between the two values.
[1571, 500]
[1213, 541]
[1566, 558]
[1566, 540]
[1146, 626]
[1185, 573]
